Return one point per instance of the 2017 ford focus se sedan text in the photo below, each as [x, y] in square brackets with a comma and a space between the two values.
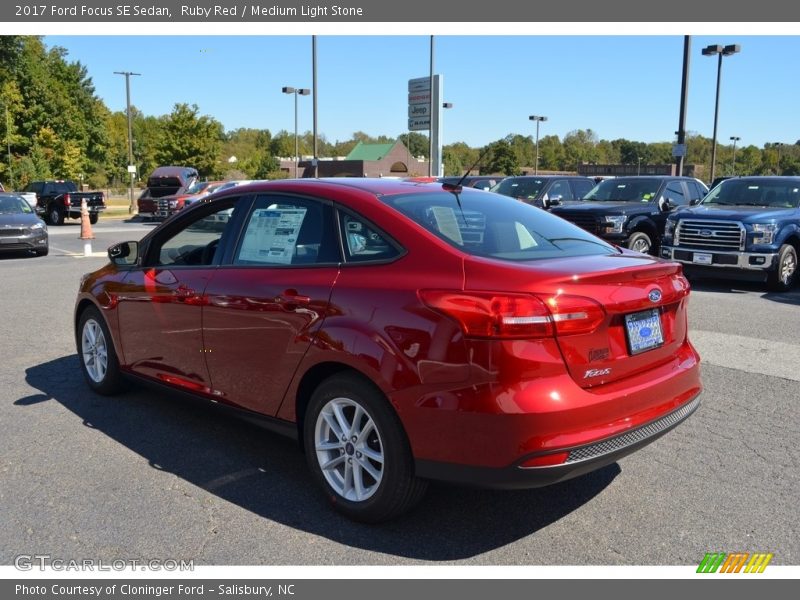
[401, 331]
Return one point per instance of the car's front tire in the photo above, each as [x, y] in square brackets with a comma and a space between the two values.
[785, 274]
[358, 452]
[640, 242]
[96, 352]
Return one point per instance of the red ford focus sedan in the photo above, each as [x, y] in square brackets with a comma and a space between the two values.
[401, 332]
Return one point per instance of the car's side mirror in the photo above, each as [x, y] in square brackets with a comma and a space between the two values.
[124, 254]
[548, 201]
[695, 201]
[665, 205]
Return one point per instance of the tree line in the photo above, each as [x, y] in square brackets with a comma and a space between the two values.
[56, 127]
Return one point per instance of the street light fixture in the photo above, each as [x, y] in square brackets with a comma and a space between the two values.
[131, 168]
[734, 139]
[538, 120]
[718, 50]
[296, 92]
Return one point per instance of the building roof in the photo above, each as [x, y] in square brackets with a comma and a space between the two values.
[364, 151]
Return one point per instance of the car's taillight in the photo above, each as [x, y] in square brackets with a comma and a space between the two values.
[492, 315]
[515, 316]
[574, 314]
[66, 200]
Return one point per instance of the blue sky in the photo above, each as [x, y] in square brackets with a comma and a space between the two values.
[619, 86]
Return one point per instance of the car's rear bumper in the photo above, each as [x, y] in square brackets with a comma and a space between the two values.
[580, 459]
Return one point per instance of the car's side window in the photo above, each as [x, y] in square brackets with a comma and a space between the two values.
[695, 192]
[560, 188]
[674, 193]
[195, 243]
[581, 187]
[362, 242]
[284, 230]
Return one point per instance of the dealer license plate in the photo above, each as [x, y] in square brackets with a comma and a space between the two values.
[644, 331]
[702, 258]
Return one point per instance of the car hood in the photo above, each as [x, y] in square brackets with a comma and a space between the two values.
[18, 220]
[605, 208]
[746, 214]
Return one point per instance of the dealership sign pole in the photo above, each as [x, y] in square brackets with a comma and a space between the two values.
[424, 114]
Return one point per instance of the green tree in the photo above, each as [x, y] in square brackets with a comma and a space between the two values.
[500, 159]
[190, 139]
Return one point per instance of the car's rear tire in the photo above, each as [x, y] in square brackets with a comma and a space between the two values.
[785, 274]
[55, 215]
[96, 352]
[93, 217]
[358, 452]
[640, 242]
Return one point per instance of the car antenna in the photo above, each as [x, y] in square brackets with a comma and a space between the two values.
[456, 187]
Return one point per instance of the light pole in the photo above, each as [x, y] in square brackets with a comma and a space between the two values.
[638, 165]
[719, 50]
[130, 133]
[446, 106]
[296, 92]
[8, 144]
[734, 139]
[538, 120]
[779, 145]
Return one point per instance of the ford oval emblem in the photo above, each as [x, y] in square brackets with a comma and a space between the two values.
[706, 232]
[654, 295]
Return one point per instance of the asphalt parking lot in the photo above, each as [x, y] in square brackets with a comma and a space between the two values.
[147, 475]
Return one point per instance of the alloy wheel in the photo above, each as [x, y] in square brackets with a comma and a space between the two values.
[349, 449]
[95, 350]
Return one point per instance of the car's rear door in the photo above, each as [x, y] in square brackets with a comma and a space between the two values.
[267, 303]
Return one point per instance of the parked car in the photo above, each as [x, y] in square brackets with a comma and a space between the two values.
[546, 190]
[20, 228]
[401, 332]
[57, 200]
[746, 228]
[164, 184]
[481, 182]
[632, 211]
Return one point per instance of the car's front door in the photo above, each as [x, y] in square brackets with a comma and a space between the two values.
[160, 304]
[266, 304]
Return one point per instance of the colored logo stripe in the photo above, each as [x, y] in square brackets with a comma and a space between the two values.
[733, 563]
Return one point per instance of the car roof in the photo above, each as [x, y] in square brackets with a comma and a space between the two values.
[376, 186]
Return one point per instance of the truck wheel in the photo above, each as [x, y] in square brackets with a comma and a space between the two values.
[640, 242]
[96, 352]
[93, 218]
[783, 277]
[358, 452]
[55, 215]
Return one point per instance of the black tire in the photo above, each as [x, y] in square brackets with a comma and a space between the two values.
[640, 242]
[55, 215]
[42, 251]
[93, 218]
[111, 381]
[785, 274]
[398, 490]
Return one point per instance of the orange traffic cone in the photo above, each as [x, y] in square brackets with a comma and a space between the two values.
[86, 225]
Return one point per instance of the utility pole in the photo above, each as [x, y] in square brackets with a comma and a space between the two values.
[131, 166]
[687, 47]
[8, 142]
[314, 99]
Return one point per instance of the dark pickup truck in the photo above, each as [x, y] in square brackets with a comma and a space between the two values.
[57, 200]
[632, 211]
[746, 228]
[164, 187]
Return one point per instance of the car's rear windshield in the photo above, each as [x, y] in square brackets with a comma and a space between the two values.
[741, 192]
[527, 189]
[485, 224]
[642, 189]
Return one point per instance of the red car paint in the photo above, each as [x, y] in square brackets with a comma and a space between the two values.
[468, 395]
